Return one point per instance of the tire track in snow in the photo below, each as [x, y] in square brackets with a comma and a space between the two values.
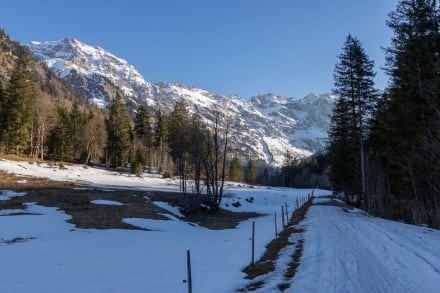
[352, 252]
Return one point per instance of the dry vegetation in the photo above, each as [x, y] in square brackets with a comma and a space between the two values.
[75, 200]
[266, 263]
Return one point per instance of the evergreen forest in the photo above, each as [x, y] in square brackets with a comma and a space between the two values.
[384, 147]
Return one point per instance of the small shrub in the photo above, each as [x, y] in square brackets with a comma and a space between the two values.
[166, 174]
[137, 168]
[236, 204]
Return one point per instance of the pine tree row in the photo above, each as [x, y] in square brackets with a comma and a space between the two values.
[384, 149]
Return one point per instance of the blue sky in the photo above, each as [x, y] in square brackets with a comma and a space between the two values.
[244, 47]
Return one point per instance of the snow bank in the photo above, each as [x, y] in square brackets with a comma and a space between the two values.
[107, 202]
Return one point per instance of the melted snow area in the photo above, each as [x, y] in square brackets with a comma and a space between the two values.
[344, 250]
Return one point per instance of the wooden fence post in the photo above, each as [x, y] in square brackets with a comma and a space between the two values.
[276, 228]
[188, 269]
[282, 217]
[287, 214]
[253, 241]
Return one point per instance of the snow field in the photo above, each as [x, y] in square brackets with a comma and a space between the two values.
[54, 256]
[59, 257]
[343, 250]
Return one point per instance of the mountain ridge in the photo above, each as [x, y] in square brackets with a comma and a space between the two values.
[269, 125]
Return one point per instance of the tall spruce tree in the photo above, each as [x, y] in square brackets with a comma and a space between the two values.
[160, 141]
[118, 133]
[60, 141]
[18, 109]
[235, 173]
[78, 123]
[251, 172]
[2, 105]
[179, 140]
[142, 126]
[161, 129]
[143, 136]
[354, 86]
[413, 109]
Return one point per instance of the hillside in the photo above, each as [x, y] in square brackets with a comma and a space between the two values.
[48, 85]
[267, 125]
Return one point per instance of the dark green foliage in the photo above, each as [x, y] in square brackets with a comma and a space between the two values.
[161, 130]
[118, 134]
[17, 106]
[137, 167]
[2, 105]
[251, 172]
[235, 173]
[305, 173]
[178, 135]
[60, 142]
[356, 99]
[78, 123]
[143, 135]
[66, 140]
[405, 134]
[142, 126]
[179, 140]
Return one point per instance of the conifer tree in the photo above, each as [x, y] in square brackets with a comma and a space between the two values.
[118, 133]
[160, 140]
[354, 86]
[413, 62]
[143, 136]
[161, 130]
[95, 136]
[78, 123]
[251, 172]
[2, 105]
[178, 140]
[60, 141]
[142, 126]
[18, 109]
[410, 123]
[235, 173]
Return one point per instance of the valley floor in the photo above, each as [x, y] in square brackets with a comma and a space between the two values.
[344, 250]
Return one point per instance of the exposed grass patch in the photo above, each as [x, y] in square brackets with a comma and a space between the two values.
[252, 287]
[76, 202]
[17, 240]
[293, 265]
[266, 263]
[283, 287]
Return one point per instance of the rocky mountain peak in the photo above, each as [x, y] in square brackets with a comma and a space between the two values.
[267, 125]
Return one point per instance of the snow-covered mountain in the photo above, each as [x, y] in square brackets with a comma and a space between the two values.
[267, 125]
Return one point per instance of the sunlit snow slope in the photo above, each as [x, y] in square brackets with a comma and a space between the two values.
[265, 128]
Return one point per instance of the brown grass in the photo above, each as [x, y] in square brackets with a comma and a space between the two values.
[283, 286]
[266, 263]
[293, 265]
[77, 203]
[252, 287]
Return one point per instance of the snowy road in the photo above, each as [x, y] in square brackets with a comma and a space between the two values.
[347, 251]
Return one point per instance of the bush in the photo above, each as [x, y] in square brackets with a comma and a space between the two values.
[137, 168]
